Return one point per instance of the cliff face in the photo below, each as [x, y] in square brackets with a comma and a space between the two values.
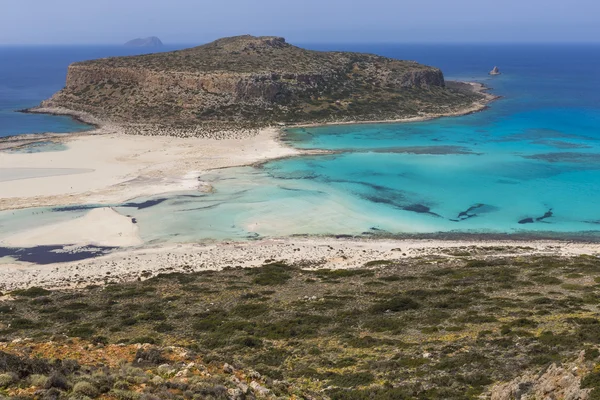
[249, 80]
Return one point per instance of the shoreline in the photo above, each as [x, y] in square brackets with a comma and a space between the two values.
[127, 166]
[78, 116]
[124, 167]
[243, 148]
[475, 87]
[476, 107]
[147, 261]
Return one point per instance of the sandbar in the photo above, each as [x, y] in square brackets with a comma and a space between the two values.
[99, 227]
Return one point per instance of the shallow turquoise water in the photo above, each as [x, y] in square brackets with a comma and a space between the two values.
[37, 147]
[528, 165]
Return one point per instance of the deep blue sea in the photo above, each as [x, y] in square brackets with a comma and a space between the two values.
[30, 74]
[528, 164]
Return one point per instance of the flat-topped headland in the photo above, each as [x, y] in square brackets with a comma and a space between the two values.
[247, 83]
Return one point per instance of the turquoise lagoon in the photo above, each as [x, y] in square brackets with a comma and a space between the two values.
[527, 166]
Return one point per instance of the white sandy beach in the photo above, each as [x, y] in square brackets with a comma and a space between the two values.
[105, 166]
[331, 253]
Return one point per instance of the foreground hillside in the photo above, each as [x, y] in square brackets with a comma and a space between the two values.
[248, 82]
[470, 323]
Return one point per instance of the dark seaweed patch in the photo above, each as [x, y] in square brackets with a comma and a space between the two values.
[559, 144]
[470, 212]
[44, 255]
[145, 204]
[540, 134]
[547, 214]
[569, 157]
[530, 220]
[74, 208]
[427, 150]
[421, 209]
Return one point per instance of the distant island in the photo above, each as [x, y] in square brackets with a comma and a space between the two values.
[151, 41]
[248, 82]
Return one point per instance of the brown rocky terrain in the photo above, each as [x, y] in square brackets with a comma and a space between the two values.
[250, 82]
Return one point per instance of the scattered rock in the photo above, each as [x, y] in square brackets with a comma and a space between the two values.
[258, 389]
[555, 383]
[235, 394]
[228, 369]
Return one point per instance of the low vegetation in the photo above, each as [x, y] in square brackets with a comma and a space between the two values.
[247, 82]
[428, 328]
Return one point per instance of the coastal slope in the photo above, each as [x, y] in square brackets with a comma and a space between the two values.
[248, 82]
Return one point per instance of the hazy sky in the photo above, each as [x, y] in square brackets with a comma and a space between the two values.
[197, 21]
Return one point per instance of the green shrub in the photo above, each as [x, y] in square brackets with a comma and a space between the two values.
[352, 380]
[390, 278]
[547, 280]
[164, 327]
[523, 323]
[396, 304]
[125, 394]
[342, 273]
[67, 316]
[38, 380]
[23, 323]
[58, 381]
[83, 332]
[86, 389]
[31, 292]
[592, 354]
[151, 356]
[250, 341]
[5, 310]
[591, 381]
[271, 274]
[6, 380]
[250, 310]
[372, 394]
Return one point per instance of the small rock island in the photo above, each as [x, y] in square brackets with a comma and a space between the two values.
[152, 41]
[248, 82]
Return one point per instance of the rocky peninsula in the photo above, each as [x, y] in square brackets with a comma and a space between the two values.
[247, 83]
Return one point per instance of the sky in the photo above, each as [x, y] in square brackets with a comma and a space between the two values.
[300, 21]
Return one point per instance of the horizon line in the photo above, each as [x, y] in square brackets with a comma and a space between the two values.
[169, 44]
